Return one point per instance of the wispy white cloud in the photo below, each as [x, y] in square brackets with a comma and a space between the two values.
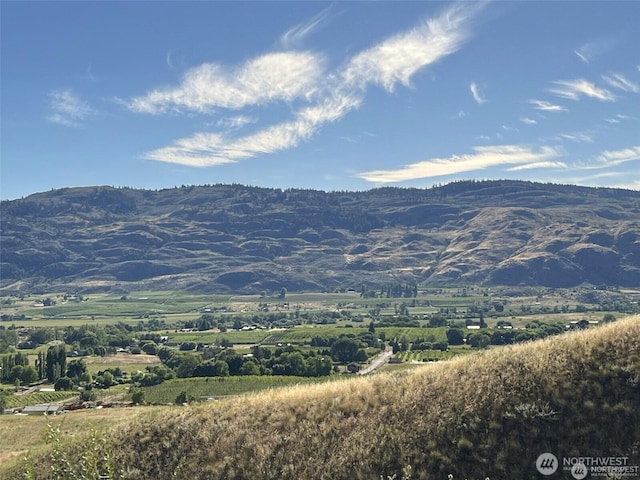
[282, 76]
[604, 179]
[235, 122]
[609, 158]
[547, 106]
[89, 75]
[397, 59]
[620, 82]
[530, 166]
[574, 89]
[67, 108]
[528, 121]
[482, 158]
[295, 36]
[476, 94]
[316, 96]
[578, 137]
[169, 60]
[209, 149]
[590, 51]
[581, 56]
[618, 118]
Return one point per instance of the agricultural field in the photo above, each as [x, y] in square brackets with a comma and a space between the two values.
[106, 308]
[36, 398]
[125, 361]
[216, 387]
[110, 332]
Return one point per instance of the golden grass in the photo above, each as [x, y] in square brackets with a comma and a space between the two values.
[20, 434]
[488, 414]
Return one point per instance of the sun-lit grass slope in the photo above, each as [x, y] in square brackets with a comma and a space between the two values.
[489, 414]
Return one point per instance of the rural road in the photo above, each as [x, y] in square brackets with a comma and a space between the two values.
[377, 361]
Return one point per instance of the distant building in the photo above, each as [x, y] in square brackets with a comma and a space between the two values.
[42, 409]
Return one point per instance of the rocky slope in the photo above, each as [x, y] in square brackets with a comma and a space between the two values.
[247, 239]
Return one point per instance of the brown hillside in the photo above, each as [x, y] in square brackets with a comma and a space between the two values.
[227, 238]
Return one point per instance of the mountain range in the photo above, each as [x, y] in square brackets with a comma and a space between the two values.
[244, 239]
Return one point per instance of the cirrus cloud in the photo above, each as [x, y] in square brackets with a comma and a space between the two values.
[574, 89]
[475, 92]
[482, 158]
[620, 82]
[547, 106]
[616, 157]
[67, 108]
[281, 76]
[397, 59]
[316, 95]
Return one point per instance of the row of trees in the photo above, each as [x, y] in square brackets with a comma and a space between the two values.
[216, 362]
[15, 368]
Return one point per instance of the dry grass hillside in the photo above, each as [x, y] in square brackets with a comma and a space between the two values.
[486, 415]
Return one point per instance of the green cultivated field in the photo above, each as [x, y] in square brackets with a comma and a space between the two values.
[196, 387]
[16, 401]
[99, 307]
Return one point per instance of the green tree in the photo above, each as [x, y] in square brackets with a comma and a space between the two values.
[318, 366]
[15, 373]
[479, 340]
[88, 396]
[353, 367]
[64, 383]
[76, 368]
[187, 346]
[182, 398]
[7, 339]
[40, 336]
[29, 375]
[150, 348]
[212, 368]
[138, 396]
[455, 336]
[437, 320]
[233, 360]
[250, 367]
[187, 364]
[108, 380]
[56, 362]
[344, 350]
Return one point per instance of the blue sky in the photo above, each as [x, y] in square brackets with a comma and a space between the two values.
[332, 96]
